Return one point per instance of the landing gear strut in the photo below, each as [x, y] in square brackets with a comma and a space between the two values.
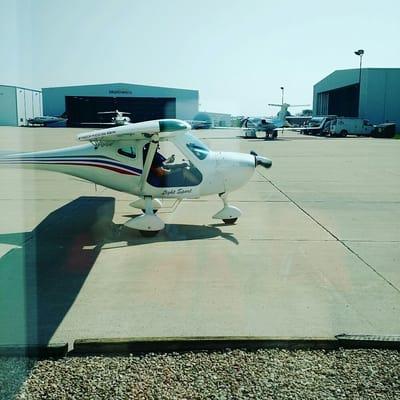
[229, 214]
[148, 224]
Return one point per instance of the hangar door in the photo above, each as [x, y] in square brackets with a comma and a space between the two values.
[81, 109]
[343, 102]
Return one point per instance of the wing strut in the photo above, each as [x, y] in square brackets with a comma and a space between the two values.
[149, 160]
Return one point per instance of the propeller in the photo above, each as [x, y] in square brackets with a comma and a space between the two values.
[259, 160]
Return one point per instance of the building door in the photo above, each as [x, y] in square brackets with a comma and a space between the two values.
[21, 113]
[28, 104]
[37, 109]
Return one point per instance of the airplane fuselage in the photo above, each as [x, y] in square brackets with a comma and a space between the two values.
[106, 166]
[127, 159]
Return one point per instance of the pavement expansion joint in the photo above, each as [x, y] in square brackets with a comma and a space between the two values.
[291, 240]
[335, 237]
[370, 241]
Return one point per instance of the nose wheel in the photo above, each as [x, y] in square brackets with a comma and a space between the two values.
[229, 214]
[148, 234]
[229, 221]
[154, 211]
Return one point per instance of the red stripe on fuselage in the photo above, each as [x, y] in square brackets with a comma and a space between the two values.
[114, 169]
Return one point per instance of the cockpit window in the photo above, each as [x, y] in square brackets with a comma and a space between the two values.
[197, 148]
[127, 152]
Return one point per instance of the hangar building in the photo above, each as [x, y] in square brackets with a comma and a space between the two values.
[220, 119]
[18, 104]
[82, 103]
[376, 99]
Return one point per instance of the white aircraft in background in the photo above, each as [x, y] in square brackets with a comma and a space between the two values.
[118, 119]
[44, 120]
[126, 159]
[270, 126]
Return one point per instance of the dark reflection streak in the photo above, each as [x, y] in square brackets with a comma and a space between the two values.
[40, 280]
[13, 373]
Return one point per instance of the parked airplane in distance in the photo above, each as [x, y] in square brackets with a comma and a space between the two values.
[44, 120]
[119, 118]
[268, 125]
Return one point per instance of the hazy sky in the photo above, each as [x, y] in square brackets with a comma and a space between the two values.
[236, 53]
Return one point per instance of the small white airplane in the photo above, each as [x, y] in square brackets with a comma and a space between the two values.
[45, 120]
[270, 126]
[118, 119]
[126, 159]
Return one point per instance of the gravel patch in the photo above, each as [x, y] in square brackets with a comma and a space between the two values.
[236, 374]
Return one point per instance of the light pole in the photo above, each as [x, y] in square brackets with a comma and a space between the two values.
[283, 92]
[359, 53]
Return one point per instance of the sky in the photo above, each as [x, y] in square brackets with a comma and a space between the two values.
[236, 53]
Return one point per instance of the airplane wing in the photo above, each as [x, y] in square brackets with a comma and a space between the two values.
[137, 131]
[113, 112]
[285, 128]
[98, 123]
[311, 128]
[233, 128]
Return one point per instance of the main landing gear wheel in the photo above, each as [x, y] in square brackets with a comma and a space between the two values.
[148, 234]
[229, 221]
[148, 224]
[229, 214]
[154, 211]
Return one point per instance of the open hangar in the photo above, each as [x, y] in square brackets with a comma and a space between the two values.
[373, 95]
[83, 103]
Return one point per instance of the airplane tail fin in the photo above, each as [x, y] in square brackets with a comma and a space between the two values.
[280, 120]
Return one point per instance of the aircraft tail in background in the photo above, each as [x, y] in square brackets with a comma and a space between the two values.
[280, 120]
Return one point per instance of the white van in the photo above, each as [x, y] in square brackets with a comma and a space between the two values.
[342, 126]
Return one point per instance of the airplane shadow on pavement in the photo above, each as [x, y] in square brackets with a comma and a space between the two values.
[41, 278]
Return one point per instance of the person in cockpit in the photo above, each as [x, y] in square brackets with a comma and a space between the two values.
[165, 174]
